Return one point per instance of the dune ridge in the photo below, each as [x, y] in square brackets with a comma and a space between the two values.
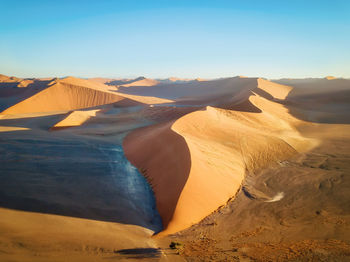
[223, 146]
[67, 94]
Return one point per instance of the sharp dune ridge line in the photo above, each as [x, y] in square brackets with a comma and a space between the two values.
[64, 95]
[222, 146]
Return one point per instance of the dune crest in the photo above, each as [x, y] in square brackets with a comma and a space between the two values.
[276, 90]
[223, 145]
[66, 94]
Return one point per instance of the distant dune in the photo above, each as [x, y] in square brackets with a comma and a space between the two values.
[142, 82]
[67, 94]
[315, 85]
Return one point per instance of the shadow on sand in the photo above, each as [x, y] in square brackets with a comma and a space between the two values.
[139, 253]
[77, 176]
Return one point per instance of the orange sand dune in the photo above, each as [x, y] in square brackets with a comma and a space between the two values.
[222, 146]
[66, 94]
[276, 90]
[29, 236]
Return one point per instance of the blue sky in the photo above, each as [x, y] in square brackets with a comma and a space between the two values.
[181, 38]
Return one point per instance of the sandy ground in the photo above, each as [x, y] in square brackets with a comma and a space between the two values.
[28, 236]
[308, 218]
[245, 168]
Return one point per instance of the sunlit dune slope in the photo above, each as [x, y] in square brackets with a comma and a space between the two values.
[76, 118]
[30, 236]
[204, 162]
[66, 94]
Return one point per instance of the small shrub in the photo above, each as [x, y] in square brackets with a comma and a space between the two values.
[175, 245]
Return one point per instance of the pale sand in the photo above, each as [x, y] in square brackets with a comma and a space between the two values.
[28, 236]
[145, 99]
[76, 118]
[12, 128]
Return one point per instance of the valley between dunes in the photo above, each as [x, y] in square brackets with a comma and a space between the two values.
[118, 168]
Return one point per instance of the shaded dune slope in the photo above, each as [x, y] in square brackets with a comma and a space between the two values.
[319, 100]
[164, 159]
[222, 145]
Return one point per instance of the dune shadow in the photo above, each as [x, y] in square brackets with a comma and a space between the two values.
[245, 106]
[56, 173]
[327, 107]
[163, 157]
[39, 122]
[139, 253]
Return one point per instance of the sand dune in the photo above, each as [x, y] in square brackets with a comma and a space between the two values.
[60, 238]
[223, 145]
[194, 91]
[4, 78]
[276, 90]
[176, 79]
[142, 82]
[102, 80]
[66, 94]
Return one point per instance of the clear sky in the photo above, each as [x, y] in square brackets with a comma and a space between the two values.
[184, 38]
